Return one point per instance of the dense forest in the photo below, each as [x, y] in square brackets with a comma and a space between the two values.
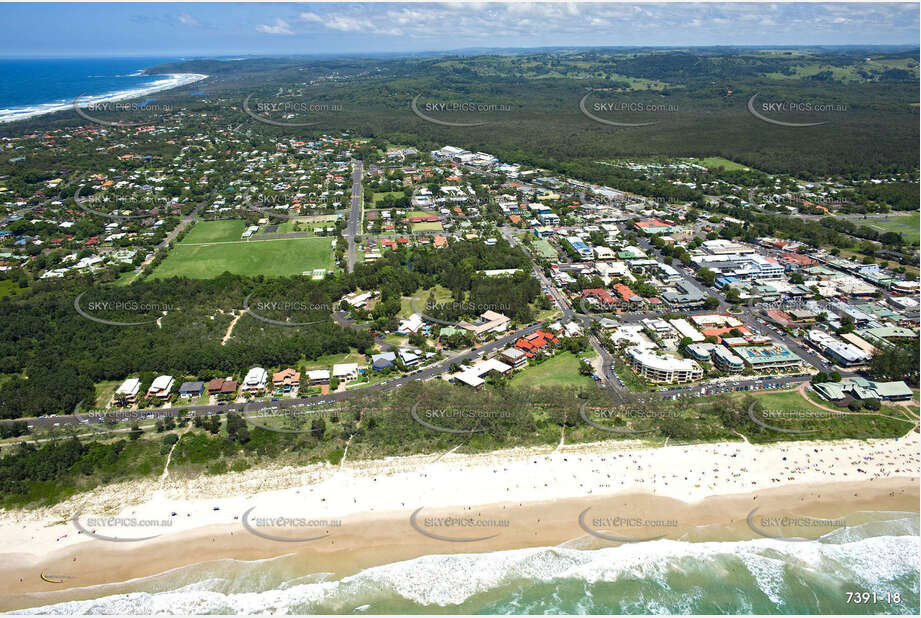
[53, 355]
[705, 92]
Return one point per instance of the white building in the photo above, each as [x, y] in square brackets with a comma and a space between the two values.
[473, 376]
[317, 376]
[412, 325]
[660, 368]
[345, 371]
[686, 330]
[255, 380]
[161, 387]
[127, 393]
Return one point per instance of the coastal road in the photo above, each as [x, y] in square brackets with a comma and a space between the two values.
[424, 373]
[351, 231]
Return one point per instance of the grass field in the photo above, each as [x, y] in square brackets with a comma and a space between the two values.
[906, 226]
[272, 258]
[433, 226]
[215, 231]
[712, 163]
[377, 197]
[544, 249]
[561, 370]
[787, 402]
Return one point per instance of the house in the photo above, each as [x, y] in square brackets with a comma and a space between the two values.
[473, 376]
[215, 385]
[384, 360]
[220, 386]
[489, 322]
[345, 371]
[287, 380]
[127, 393]
[359, 299]
[188, 390]
[626, 294]
[255, 380]
[600, 295]
[409, 357]
[317, 376]
[410, 326]
[161, 387]
[514, 357]
[536, 343]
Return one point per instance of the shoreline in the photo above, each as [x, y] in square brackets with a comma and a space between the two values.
[168, 82]
[100, 568]
[707, 489]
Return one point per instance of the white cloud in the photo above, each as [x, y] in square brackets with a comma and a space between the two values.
[280, 27]
[527, 24]
[188, 20]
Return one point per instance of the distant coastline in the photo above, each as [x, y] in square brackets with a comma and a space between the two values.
[169, 81]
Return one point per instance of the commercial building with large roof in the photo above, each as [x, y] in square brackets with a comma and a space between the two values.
[661, 368]
[761, 357]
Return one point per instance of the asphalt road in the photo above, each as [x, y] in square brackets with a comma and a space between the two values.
[425, 373]
[351, 231]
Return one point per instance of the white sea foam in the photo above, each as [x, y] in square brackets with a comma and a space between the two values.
[168, 82]
[447, 580]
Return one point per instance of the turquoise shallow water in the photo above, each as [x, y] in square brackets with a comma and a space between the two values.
[657, 577]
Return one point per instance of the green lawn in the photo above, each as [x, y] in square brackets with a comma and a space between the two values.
[273, 258]
[906, 226]
[377, 197]
[788, 402]
[561, 370]
[432, 226]
[544, 249]
[215, 231]
[716, 162]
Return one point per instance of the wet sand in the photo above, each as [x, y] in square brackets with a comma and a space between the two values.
[96, 568]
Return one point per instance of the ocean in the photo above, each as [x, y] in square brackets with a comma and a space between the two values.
[40, 86]
[880, 555]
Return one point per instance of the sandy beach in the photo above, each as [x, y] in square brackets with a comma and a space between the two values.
[361, 513]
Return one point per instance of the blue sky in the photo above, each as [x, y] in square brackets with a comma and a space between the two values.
[184, 29]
